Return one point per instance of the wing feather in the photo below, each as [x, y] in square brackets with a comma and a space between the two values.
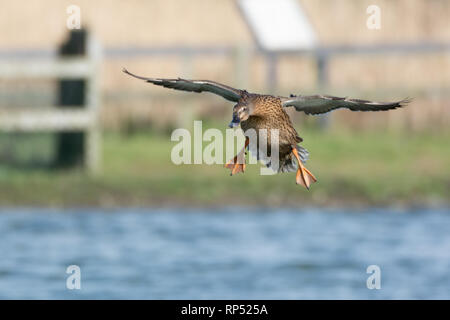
[225, 91]
[318, 104]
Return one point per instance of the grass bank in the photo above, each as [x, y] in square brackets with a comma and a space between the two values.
[369, 168]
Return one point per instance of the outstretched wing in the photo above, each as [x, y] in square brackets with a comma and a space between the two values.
[321, 104]
[227, 92]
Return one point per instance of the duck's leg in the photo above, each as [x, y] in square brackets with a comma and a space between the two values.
[237, 164]
[304, 176]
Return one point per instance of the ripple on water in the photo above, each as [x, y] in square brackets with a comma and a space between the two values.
[225, 253]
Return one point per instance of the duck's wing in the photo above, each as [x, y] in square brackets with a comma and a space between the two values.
[318, 104]
[227, 92]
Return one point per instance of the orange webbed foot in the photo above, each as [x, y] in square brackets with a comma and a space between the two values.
[238, 163]
[303, 177]
[235, 166]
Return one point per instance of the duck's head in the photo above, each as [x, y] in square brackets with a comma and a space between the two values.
[241, 112]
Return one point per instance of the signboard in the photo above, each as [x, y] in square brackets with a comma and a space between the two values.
[278, 24]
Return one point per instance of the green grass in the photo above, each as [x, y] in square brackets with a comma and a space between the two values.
[364, 168]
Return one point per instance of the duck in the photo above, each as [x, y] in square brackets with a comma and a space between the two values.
[266, 115]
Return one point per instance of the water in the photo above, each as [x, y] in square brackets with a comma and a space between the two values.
[224, 254]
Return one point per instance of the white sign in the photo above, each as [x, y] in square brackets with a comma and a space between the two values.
[278, 24]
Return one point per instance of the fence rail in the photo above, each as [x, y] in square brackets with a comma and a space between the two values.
[64, 68]
[241, 54]
[47, 63]
[46, 119]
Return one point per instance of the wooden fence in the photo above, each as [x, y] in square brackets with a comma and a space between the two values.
[78, 63]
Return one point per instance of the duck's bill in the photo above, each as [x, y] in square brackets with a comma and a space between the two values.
[234, 122]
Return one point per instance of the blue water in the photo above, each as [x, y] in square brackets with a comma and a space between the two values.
[224, 254]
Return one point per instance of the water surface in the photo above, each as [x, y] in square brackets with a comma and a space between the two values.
[224, 254]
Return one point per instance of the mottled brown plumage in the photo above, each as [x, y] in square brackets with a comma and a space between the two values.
[268, 113]
[256, 111]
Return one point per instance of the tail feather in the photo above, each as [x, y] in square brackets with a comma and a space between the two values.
[289, 163]
[303, 153]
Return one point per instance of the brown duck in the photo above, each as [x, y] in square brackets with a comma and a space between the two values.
[257, 111]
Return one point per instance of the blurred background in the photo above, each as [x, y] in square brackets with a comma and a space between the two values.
[85, 150]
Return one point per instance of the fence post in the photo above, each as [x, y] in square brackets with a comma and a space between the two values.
[93, 139]
[186, 113]
[241, 64]
[322, 84]
[70, 145]
[80, 147]
[272, 71]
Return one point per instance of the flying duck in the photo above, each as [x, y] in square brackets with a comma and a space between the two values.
[260, 111]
